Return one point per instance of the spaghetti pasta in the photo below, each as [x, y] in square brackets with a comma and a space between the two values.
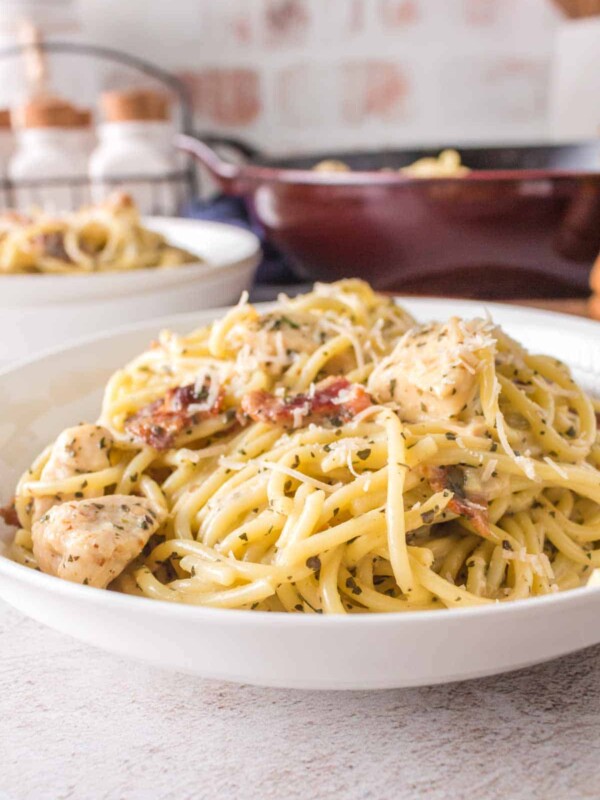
[329, 455]
[447, 164]
[106, 237]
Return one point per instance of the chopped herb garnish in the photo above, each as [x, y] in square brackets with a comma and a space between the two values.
[314, 563]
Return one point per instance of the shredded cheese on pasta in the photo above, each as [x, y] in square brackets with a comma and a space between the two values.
[329, 455]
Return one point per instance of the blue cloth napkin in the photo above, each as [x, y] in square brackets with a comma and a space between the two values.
[274, 268]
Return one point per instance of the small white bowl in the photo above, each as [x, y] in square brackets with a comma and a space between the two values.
[39, 311]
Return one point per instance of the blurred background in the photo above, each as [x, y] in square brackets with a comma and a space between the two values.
[350, 73]
[290, 77]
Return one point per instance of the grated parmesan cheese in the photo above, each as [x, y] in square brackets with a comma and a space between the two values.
[214, 388]
[489, 470]
[194, 456]
[300, 476]
[558, 469]
[350, 465]
[298, 414]
[347, 330]
[526, 464]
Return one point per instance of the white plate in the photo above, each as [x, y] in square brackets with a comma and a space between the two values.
[293, 650]
[41, 311]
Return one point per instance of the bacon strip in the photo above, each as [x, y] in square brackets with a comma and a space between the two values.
[159, 423]
[453, 479]
[52, 244]
[9, 514]
[334, 400]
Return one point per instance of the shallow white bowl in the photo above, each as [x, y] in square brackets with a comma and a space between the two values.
[41, 311]
[43, 396]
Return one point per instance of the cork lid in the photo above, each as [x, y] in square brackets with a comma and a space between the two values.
[85, 118]
[135, 105]
[4, 118]
[50, 112]
[578, 9]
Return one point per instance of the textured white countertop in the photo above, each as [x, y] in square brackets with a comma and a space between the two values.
[79, 723]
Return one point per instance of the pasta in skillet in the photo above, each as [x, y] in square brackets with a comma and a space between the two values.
[328, 455]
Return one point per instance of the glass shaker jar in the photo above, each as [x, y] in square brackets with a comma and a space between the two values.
[135, 151]
[49, 167]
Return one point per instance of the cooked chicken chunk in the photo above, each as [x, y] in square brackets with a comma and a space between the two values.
[84, 448]
[432, 372]
[91, 541]
[272, 341]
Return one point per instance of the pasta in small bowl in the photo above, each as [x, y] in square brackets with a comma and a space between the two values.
[69, 275]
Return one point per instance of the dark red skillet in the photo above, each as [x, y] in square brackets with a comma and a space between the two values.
[524, 223]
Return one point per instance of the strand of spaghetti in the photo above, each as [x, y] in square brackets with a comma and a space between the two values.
[136, 467]
[489, 388]
[153, 492]
[229, 598]
[581, 403]
[431, 510]
[580, 532]
[308, 589]
[216, 526]
[328, 583]
[296, 506]
[562, 541]
[290, 598]
[100, 479]
[244, 570]
[319, 358]
[496, 572]
[456, 558]
[522, 528]
[373, 521]
[520, 568]
[394, 512]
[574, 451]
[299, 476]
[311, 506]
[213, 571]
[452, 596]
[476, 568]
[251, 531]
[374, 601]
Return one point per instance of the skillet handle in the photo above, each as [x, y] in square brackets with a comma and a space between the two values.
[248, 151]
[228, 176]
